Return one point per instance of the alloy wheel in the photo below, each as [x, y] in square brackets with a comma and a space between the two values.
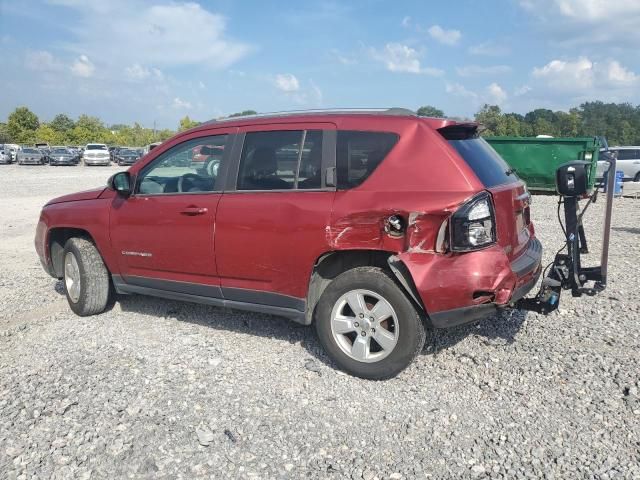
[364, 325]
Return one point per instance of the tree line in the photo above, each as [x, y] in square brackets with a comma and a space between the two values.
[618, 122]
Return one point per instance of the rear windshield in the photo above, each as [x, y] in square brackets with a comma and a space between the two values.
[485, 162]
[96, 147]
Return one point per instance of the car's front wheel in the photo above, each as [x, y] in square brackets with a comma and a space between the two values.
[368, 325]
[86, 278]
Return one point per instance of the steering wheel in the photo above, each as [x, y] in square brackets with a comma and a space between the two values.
[187, 181]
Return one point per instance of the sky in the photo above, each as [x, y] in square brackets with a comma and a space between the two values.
[128, 61]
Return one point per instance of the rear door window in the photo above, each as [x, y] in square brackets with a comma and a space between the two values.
[281, 160]
[485, 162]
[358, 154]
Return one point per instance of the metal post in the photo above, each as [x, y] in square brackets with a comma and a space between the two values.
[611, 178]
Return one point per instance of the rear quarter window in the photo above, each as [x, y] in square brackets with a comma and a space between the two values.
[358, 154]
[486, 163]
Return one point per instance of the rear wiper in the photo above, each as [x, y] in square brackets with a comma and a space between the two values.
[511, 171]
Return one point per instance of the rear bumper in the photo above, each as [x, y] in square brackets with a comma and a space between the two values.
[461, 289]
[464, 315]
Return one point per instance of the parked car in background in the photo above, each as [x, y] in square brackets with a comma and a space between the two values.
[96, 154]
[113, 149]
[5, 156]
[147, 148]
[44, 147]
[126, 156]
[31, 156]
[371, 226]
[63, 156]
[628, 162]
[207, 157]
[13, 149]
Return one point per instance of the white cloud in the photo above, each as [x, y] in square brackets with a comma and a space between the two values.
[181, 104]
[402, 58]
[343, 58]
[287, 82]
[460, 91]
[83, 67]
[617, 74]
[490, 49]
[478, 70]
[42, 60]
[406, 21]
[493, 94]
[306, 93]
[582, 78]
[522, 90]
[587, 10]
[579, 22]
[311, 96]
[137, 72]
[171, 34]
[496, 94]
[447, 37]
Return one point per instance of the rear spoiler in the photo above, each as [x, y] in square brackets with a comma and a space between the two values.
[460, 131]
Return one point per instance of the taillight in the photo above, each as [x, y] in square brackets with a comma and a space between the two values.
[473, 225]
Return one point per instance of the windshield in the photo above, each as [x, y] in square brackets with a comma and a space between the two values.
[96, 147]
[485, 162]
[30, 150]
[60, 151]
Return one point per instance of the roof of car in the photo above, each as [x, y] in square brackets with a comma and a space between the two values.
[325, 115]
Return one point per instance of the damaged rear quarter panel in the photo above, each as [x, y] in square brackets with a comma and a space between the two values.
[418, 180]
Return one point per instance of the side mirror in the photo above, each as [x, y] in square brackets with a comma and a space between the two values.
[121, 183]
[572, 178]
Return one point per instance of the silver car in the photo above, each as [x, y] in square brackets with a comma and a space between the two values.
[628, 162]
[31, 156]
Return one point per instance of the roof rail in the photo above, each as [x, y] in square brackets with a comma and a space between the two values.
[357, 111]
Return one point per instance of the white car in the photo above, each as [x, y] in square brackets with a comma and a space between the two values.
[13, 149]
[628, 162]
[96, 154]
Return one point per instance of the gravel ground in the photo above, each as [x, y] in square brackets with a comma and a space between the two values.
[161, 389]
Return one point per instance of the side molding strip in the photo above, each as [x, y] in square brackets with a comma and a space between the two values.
[291, 313]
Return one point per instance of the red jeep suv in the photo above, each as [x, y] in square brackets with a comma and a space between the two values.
[372, 225]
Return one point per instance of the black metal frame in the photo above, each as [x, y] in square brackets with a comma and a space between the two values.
[566, 272]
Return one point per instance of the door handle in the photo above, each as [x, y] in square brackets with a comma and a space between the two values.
[192, 211]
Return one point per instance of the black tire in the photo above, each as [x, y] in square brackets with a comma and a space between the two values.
[637, 177]
[94, 278]
[411, 335]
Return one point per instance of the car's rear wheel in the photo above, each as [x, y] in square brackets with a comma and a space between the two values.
[637, 177]
[86, 278]
[368, 325]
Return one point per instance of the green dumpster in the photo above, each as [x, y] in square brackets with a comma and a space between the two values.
[536, 159]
